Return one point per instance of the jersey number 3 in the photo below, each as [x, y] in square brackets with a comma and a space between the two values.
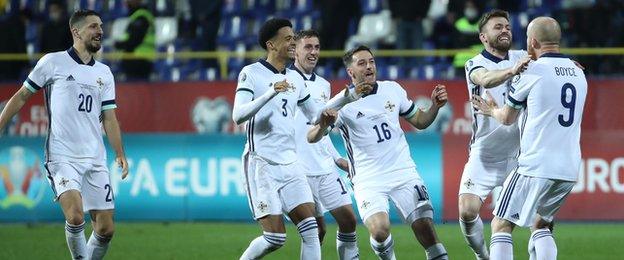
[567, 104]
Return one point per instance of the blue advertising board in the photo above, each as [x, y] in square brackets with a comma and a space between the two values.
[173, 177]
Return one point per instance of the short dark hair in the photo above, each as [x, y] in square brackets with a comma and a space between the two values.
[347, 59]
[80, 15]
[269, 30]
[306, 34]
[492, 14]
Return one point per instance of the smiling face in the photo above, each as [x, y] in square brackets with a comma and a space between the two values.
[362, 68]
[497, 34]
[283, 43]
[89, 32]
[307, 53]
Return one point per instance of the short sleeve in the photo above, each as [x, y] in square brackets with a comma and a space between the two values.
[471, 66]
[520, 88]
[407, 108]
[40, 75]
[304, 93]
[245, 81]
[108, 94]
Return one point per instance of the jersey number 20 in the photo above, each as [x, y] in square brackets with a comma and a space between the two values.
[86, 103]
[567, 104]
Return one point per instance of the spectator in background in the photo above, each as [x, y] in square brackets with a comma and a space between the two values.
[466, 35]
[336, 16]
[55, 35]
[408, 15]
[140, 40]
[206, 17]
[13, 30]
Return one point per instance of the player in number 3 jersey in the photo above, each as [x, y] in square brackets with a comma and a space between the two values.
[553, 91]
[78, 92]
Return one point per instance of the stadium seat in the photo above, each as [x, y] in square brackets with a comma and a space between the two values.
[166, 30]
[372, 28]
[370, 6]
[232, 8]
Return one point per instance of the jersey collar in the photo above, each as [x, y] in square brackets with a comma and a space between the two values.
[72, 53]
[553, 55]
[270, 67]
[312, 78]
[493, 58]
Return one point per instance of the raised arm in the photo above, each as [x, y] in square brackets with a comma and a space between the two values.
[245, 106]
[492, 78]
[344, 97]
[113, 132]
[16, 103]
[423, 119]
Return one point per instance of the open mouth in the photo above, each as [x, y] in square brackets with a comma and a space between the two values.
[312, 59]
[504, 38]
[97, 38]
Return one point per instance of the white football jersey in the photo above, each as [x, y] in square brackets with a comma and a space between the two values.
[271, 131]
[317, 158]
[491, 139]
[553, 91]
[372, 132]
[75, 96]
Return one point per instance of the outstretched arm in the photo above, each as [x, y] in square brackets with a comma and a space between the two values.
[423, 119]
[14, 105]
[113, 132]
[492, 78]
[341, 99]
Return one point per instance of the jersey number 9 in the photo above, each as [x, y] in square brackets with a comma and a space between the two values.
[569, 105]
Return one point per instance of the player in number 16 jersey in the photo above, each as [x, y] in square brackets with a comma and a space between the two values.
[381, 167]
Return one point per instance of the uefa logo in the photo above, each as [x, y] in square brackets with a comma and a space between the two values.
[21, 178]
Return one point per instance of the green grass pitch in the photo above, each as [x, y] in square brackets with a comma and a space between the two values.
[228, 240]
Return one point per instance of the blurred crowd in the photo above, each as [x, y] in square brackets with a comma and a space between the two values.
[41, 26]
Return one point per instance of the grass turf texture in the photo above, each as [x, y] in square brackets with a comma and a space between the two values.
[228, 240]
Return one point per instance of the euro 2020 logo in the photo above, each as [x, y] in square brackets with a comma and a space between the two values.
[21, 178]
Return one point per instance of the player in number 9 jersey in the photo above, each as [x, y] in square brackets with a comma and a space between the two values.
[381, 167]
[553, 92]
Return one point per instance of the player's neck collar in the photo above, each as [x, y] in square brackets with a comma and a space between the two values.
[552, 55]
[74, 55]
[271, 68]
[493, 58]
[312, 78]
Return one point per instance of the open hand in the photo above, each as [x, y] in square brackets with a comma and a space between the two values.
[482, 106]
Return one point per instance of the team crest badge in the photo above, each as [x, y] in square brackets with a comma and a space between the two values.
[262, 207]
[389, 106]
[468, 184]
[100, 83]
